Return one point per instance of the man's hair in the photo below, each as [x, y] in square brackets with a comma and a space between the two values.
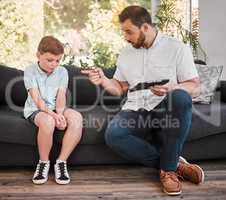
[138, 15]
[50, 44]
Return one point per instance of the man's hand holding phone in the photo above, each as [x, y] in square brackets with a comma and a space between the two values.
[161, 90]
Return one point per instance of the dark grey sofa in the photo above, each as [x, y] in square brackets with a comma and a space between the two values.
[207, 138]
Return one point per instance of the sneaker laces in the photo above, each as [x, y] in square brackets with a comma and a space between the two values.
[62, 170]
[169, 175]
[184, 170]
[41, 170]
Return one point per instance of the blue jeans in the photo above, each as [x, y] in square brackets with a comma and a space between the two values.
[154, 138]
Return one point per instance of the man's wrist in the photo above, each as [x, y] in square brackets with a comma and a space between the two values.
[176, 86]
[105, 82]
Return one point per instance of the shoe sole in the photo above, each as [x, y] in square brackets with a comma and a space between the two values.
[62, 182]
[39, 182]
[202, 172]
[172, 193]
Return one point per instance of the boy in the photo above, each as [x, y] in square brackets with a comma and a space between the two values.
[46, 83]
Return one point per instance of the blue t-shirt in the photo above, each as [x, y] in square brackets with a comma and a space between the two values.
[48, 85]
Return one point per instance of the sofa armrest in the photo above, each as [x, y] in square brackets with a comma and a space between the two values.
[223, 90]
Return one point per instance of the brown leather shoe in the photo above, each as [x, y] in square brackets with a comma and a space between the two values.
[170, 183]
[190, 172]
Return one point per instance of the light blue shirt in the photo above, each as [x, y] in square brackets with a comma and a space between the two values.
[48, 85]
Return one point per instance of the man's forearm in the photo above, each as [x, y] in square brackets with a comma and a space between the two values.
[112, 86]
[192, 88]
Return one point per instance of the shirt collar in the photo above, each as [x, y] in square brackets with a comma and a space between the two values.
[42, 72]
[157, 39]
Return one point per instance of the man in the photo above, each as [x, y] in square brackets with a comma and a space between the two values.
[152, 56]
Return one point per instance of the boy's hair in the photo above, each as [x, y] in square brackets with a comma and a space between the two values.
[137, 14]
[50, 44]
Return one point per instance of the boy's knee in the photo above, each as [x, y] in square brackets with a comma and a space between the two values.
[50, 123]
[73, 115]
[46, 121]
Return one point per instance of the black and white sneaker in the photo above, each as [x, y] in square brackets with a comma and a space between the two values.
[41, 172]
[61, 174]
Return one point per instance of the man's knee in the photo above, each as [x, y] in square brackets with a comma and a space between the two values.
[180, 99]
[113, 134]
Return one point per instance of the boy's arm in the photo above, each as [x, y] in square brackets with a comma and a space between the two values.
[35, 95]
[61, 93]
[61, 100]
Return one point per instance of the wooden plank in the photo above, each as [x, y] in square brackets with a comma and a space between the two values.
[109, 182]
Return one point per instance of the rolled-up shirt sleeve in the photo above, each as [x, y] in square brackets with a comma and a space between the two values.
[118, 72]
[186, 68]
[29, 79]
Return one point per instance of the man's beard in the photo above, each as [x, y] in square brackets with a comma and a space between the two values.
[140, 41]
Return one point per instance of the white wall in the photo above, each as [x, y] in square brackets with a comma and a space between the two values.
[213, 31]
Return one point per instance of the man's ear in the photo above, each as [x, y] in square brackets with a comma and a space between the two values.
[145, 27]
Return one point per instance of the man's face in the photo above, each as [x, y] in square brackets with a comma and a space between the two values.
[48, 61]
[133, 34]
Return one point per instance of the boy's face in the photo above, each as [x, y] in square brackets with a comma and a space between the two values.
[48, 61]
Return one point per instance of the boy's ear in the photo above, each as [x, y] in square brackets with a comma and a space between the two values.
[38, 54]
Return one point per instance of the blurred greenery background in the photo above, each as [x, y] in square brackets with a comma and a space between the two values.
[87, 28]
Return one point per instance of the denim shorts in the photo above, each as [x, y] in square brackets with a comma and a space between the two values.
[31, 118]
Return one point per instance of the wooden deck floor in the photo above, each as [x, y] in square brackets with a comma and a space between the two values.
[110, 182]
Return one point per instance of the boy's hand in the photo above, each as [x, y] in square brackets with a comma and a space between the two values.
[95, 75]
[60, 120]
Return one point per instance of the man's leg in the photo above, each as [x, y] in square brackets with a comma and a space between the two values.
[124, 135]
[174, 115]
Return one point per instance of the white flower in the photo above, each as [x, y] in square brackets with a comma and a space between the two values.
[86, 61]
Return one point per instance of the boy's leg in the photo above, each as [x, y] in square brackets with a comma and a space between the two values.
[71, 138]
[46, 125]
[72, 134]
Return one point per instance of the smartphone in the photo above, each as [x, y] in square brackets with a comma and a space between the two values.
[147, 85]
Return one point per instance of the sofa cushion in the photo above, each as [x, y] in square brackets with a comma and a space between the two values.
[209, 79]
[12, 90]
[208, 120]
[95, 120]
[222, 90]
[15, 129]
[83, 92]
